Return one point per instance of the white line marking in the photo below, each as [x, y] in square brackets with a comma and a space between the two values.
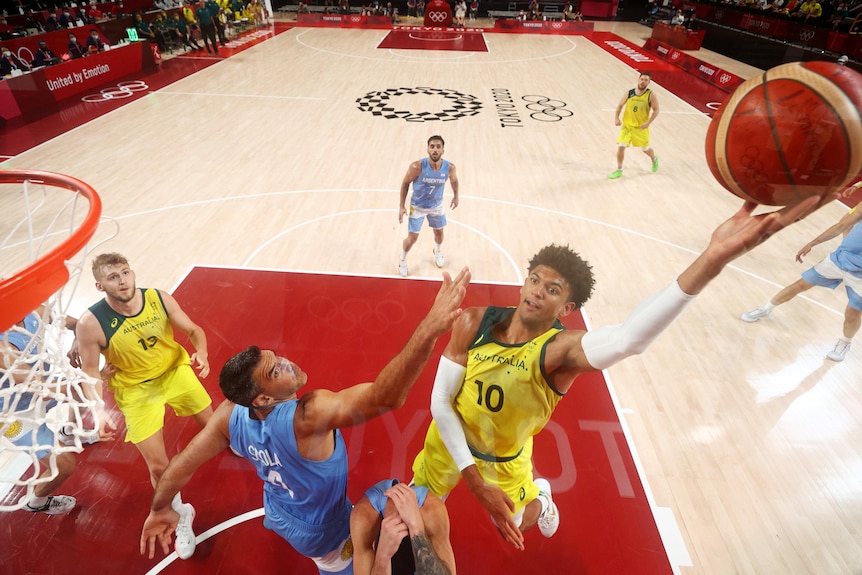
[222, 95]
[232, 522]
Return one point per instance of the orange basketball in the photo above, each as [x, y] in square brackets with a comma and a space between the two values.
[792, 132]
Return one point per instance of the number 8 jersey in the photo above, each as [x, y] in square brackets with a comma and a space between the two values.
[141, 347]
[506, 397]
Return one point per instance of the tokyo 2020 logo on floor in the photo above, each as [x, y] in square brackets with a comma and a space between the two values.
[383, 103]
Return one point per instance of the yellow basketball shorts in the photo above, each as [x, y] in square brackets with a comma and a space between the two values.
[143, 405]
[633, 136]
[435, 469]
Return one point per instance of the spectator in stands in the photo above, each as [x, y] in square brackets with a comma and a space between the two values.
[792, 7]
[65, 20]
[94, 15]
[569, 14]
[343, 7]
[9, 62]
[44, 55]
[522, 16]
[51, 23]
[215, 12]
[94, 42]
[839, 14]
[207, 26]
[691, 22]
[34, 25]
[189, 18]
[162, 29]
[460, 13]
[117, 10]
[261, 16]
[810, 11]
[302, 9]
[420, 8]
[182, 28]
[225, 17]
[533, 11]
[146, 32]
[75, 48]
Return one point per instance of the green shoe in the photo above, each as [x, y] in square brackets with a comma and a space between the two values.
[616, 174]
[655, 164]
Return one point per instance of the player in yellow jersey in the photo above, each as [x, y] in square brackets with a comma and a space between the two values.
[505, 370]
[133, 328]
[641, 109]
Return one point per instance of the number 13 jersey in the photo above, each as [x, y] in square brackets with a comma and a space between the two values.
[141, 347]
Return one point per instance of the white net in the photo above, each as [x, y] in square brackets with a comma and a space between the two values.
[44, 410]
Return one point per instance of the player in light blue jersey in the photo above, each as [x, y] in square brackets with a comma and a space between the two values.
[401, 530]
[844, 265]
[294, 443]
[428, 176]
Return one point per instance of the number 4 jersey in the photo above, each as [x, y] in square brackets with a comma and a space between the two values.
[506, 397]
[141, 347]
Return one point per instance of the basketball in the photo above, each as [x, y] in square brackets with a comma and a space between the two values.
[792, 132]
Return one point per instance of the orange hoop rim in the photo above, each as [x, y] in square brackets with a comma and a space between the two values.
[29, 288]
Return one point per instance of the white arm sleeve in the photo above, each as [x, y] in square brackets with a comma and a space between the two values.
[606, 346]
[449, 379]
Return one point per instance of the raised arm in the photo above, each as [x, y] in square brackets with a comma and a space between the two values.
[324, 410]
[425, 555]
[208, 443]
[849, 220]
[364, 529]
[741, 233]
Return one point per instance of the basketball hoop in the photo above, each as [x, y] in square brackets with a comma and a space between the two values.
[23, 291]
[38, 384]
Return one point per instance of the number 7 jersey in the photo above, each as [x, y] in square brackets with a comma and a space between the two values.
[141, 347]
[506, 397]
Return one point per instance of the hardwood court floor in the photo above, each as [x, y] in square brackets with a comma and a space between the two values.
[746, 434]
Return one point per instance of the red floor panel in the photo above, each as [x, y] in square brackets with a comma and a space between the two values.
[342, 330]
[421, 38]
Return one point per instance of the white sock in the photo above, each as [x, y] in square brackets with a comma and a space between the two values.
[438, 248]
[403, 255]
[544, 502]
[769, 306]
[177, 504]
[37, 502]
[846, 340]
